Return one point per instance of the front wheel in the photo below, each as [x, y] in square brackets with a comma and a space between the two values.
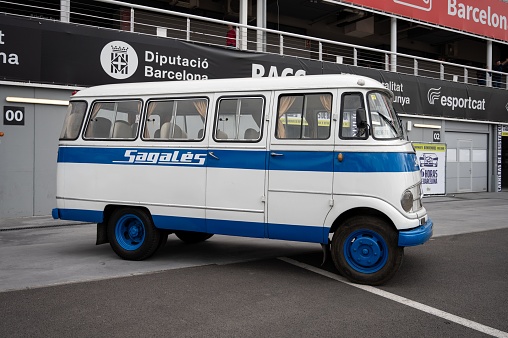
[365, 250]
[132, 235]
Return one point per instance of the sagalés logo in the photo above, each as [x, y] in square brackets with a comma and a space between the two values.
[119, 60]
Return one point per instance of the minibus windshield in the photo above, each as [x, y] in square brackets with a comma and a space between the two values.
[384, 120]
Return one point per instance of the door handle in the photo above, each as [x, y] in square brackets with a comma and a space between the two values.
[276, 154]
[212, 155]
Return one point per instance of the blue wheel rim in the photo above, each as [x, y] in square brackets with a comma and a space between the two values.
[366, 251]
[130, 232]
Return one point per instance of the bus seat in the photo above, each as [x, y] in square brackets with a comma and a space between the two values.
[251, 134]
[122, 130]
[100, 128]
[221, 135]
[166, 131]
[179, 133]
[134, 129]
[200, 133]
[73, 123]
[157, 134]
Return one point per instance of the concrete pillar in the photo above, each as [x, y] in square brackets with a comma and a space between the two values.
[261, 23]
[243, 20]
[393, 43]
[489, 62]
[65, 10]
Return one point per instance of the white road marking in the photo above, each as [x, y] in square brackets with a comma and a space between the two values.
[419, 306]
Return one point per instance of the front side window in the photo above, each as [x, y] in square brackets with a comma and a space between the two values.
[304, 116]
[114, 120]
[73, 120]
[239, 119]
[176, 120]
[350, 105]
[384, 120]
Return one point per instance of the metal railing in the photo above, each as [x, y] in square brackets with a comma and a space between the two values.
[112, 14]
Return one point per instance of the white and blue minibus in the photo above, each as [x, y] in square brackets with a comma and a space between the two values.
[319, 158]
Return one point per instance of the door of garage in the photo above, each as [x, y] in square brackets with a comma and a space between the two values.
[28, 152]
[466, 162]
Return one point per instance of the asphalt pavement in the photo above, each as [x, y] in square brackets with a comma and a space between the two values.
[454, 285]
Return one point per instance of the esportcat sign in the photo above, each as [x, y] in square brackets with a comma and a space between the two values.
[434, 95]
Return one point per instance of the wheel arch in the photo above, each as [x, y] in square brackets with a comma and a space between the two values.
[102, 227]
[110, 208]
[359, 211]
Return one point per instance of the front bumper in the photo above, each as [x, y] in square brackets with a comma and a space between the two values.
[55, 213]
[417, 235]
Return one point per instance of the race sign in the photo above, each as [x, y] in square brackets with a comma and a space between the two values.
[436, 136]
[14, 115]
[431, 158]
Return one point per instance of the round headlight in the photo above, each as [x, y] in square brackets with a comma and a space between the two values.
[406, 201]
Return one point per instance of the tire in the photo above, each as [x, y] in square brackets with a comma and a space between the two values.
[132, 235]
[163, 240]
[365, 250]
[191, 237]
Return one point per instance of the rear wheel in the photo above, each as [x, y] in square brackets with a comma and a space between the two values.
[191, 237]
[365, 250]
[132, 235]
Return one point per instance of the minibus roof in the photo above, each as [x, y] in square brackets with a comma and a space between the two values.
[155, 88]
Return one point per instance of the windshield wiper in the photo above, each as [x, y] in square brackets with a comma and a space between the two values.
[391, 124]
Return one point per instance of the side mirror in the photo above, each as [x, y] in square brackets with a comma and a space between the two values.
[361, 120]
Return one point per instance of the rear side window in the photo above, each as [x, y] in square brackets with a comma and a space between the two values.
[73, 120]
[304, 116]
[239, 119]
[175, 119]
[114, 120]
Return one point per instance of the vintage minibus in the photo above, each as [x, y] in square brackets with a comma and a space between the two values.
[320, 158]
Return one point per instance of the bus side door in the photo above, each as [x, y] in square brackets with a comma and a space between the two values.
[300, 166]
[236, 166]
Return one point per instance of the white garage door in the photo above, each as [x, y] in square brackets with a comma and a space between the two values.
[466, 162]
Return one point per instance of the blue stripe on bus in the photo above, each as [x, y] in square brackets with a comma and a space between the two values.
[301, 160]
[237, 159]
[92, 216]
[311, 234]
[377, 162]
[316, 161]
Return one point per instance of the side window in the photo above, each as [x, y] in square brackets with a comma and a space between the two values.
[350, 103]
[114, 120]
[304, 116]
[175, 120]
[73, 120]
[239, 119]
